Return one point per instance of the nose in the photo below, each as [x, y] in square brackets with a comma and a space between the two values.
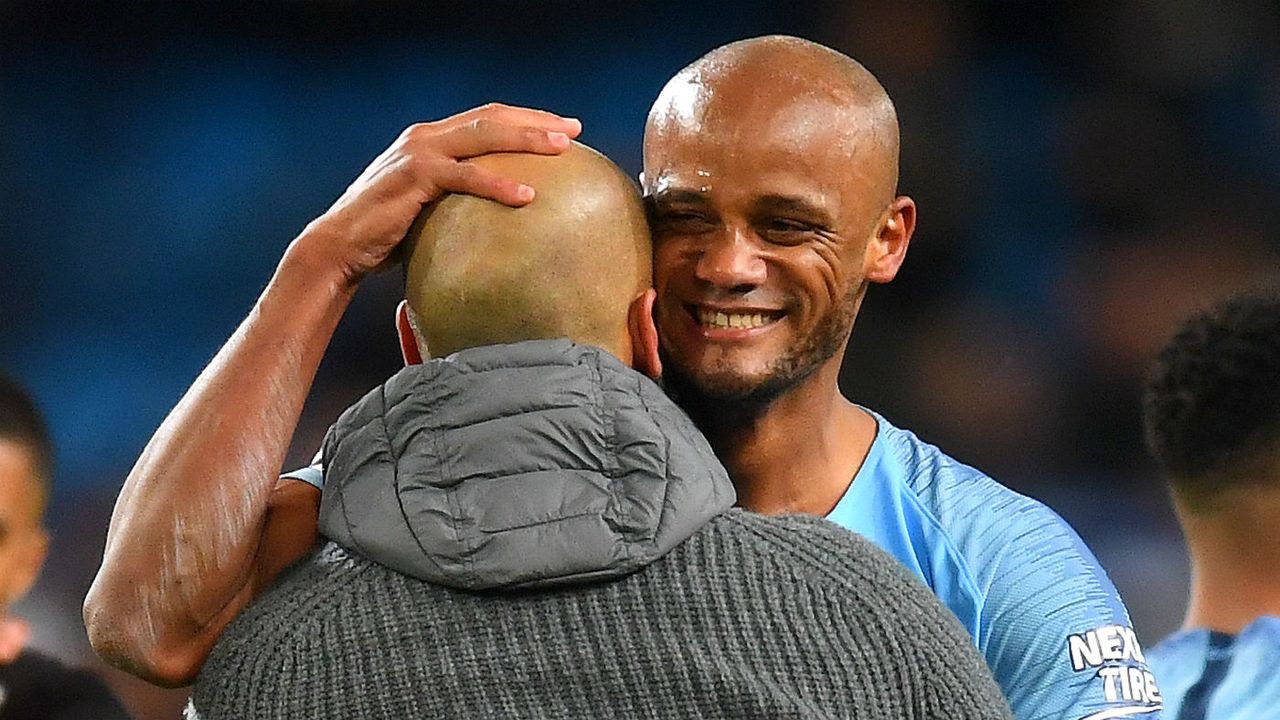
[731, 261]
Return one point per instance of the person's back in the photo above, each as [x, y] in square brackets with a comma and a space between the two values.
[1212, 415]
[530, 527]
[736, 622]
[527, 581]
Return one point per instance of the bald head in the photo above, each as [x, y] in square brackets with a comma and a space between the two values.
[771, 167]
[569, 264]
[792, 85]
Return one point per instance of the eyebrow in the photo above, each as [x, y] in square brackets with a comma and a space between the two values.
[773, 203]
[678, 195]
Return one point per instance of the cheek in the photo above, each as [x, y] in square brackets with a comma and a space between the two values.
[669, 262]
[817, 275]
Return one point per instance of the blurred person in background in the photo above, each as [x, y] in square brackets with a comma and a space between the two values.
[537, 459]
[773, 212]
[1212, 417]
[32, 685]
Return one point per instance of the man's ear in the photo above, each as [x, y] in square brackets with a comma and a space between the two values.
[888, 248]
[644, 334]
[408, 337]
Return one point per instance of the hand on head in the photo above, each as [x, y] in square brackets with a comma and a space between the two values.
[575, 263]
[365, 225]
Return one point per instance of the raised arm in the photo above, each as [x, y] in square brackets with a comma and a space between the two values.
[202, 522]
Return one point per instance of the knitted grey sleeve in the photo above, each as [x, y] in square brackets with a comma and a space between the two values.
[877, 603]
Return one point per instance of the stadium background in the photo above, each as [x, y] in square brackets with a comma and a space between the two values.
[1087, 173]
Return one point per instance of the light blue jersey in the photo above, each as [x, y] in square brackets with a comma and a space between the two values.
[1039, 606]
[1214, 676]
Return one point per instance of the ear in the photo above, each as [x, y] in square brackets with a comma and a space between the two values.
[888, 248]
[408, 337]
[644, 334]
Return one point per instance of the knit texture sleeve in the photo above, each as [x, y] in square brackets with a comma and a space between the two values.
[877, 603]
[752, 618]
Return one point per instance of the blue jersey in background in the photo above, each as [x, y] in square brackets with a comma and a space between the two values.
[1038, 605]
[1214, 676]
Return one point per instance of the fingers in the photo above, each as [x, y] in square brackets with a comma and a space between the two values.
[493, 128]
[485, 136]
[518, 116]
[465, 177]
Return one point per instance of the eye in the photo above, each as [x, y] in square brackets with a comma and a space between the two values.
[786, 225]
[682, 222]
[786, 231]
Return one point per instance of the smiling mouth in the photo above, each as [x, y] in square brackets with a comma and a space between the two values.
[712, 319]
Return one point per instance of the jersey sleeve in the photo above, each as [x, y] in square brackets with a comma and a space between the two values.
[312, 474]
[1057, 635]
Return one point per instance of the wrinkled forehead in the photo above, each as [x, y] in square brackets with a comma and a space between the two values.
[782, 106]
[771, 117]
[791, 138]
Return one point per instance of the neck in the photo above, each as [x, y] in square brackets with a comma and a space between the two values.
[1234, 555]
[796, 454]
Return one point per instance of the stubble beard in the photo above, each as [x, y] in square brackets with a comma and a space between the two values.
[723, 396]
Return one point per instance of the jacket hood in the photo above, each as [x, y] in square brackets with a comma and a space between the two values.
[531, 464]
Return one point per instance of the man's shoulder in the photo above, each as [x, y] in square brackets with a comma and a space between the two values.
[805, 568]
[1235, 672]
[809, 551]
[977, 513]
[37, 685]
[942, 482]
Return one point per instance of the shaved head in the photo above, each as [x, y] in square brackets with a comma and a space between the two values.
[569, 264]
[796, 85]
[771, 166]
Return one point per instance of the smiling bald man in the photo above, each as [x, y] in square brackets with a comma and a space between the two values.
[773, 214]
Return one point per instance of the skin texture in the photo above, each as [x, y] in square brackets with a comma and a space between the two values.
[23, 540]
[783, 205]
[202, 523]
[1234, 550]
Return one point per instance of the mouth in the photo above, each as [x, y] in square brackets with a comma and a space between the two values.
[721, 320]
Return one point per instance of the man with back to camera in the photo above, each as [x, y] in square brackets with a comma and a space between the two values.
[772, 212]
[1212, 416]
[32, 685]
[550, 470]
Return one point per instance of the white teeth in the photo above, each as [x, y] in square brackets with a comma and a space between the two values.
[717, 319]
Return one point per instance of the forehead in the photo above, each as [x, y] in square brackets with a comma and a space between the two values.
[792, 141]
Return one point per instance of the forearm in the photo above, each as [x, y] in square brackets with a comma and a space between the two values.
[186, 528]
[188, 545]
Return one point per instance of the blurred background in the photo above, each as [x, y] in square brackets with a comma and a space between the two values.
[1087, 172]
